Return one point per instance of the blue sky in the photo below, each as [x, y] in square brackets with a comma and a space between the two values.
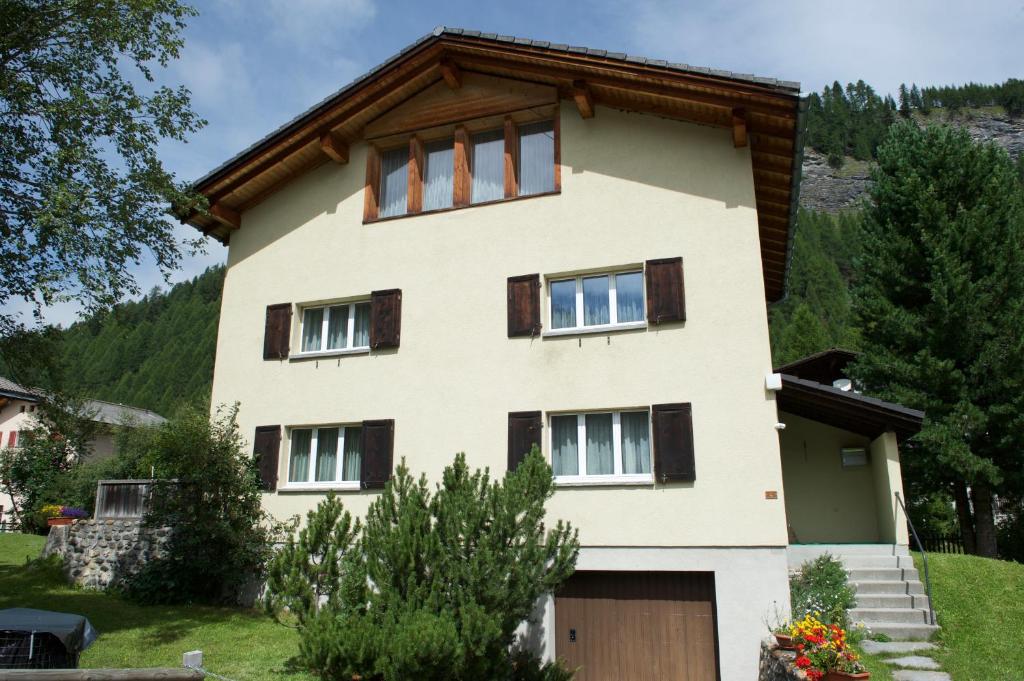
[254, 64]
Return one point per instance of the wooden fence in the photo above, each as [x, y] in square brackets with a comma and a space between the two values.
[154, 674]
[122, 498]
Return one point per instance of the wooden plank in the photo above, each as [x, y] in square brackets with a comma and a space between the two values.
[146, 674]
[584, 100]
[225, 215]
[557, 123]
[451, 73]
[371, 198]
[335, 147]
[739, 128]
[463, 179]
[511, 158]
[479, 96]
[415, 175]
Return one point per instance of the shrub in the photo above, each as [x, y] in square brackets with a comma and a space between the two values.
[433, 585]
[207, 491]
[821, 589]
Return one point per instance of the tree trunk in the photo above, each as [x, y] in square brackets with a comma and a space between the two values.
[963, 514]
[984, 521]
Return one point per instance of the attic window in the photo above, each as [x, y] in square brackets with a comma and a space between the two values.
[461, 165]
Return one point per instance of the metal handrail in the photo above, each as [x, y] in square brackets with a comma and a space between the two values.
[924, 558]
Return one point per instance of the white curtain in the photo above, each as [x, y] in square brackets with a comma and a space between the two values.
[563, 304]
[536, 158]
[298, 462]
[599, 444]
[361, 332]
[337, 328]
[564, 446]
[629, 297]
[312, 326]
[326, 454]
[595, 301]
[636, 444]
[394, 182]
[439, 175]
[488, 166]
[353, 454]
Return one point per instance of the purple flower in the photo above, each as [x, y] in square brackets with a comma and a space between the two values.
[72, 512]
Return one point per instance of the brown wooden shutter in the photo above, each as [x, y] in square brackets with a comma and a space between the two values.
[524, 428]
[665, 298]
[277, 333]
[385, 318]
[378, 444]
[371, 196]
[673, 442]
[265, 449]
[524, 305]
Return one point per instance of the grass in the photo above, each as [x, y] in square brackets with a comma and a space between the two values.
[980, 606]
[239, 644]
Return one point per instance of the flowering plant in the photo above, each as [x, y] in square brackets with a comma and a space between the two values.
[50, 510]
[73, 512]
[821, 648]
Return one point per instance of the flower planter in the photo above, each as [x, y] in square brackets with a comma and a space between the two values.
[785, 642]
[52, 522]
[835, 675]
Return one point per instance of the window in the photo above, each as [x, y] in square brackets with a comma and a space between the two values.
[463, 166]
[12, 439]
[336, 328]
[536, 158]
[601, 447]
[596, 302]
[394, 182]
[325, 456]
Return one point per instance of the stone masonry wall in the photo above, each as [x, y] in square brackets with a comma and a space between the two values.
[777, 665]
[102, 553]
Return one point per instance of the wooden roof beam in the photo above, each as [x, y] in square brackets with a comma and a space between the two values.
[584, 99]
[739, 128]
[229, 217]
[451, 73]
[335, 147]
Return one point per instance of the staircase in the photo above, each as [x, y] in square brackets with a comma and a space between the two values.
[891, 599]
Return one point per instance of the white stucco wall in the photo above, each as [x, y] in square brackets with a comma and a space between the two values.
[12, 418]
[634, 187]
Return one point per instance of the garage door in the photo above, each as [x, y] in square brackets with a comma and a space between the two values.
[642, 626]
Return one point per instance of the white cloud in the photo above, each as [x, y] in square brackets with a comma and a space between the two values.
[311, 24]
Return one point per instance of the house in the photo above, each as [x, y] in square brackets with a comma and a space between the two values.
[20, 411]
[482, 245]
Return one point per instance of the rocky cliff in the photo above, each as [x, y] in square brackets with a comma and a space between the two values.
[831, 190]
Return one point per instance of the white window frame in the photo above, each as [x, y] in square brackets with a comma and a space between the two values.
[617, 477]
[613, 307]
[325, 324]
[311, 483]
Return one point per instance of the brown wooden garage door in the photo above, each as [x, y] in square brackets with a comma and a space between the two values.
[642, 626]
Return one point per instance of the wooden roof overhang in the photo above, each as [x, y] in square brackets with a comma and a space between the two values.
[850, 411]
[764, 113]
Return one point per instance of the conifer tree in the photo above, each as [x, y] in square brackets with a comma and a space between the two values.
[904, 96]
[939, 297]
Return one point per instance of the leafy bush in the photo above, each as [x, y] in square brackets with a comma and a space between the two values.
[821, 589]
[433, 585]
[207, 491]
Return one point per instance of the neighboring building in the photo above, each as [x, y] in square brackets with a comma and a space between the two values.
[19, 411]
[479, 246]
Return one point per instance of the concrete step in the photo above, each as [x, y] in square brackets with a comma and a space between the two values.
[903, 632]
[882, 574]
[914, 675]
[895, 647]
[892, 601]
[859, 561]
[872, 616]
[890, 586]
[914, 662]
[800, 553]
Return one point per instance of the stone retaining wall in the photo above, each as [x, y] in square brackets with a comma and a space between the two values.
[102, 553]
[777, 665]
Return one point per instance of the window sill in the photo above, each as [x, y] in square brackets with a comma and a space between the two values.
[587, 330]
[624, 480]
[342, 486]
[328, 353]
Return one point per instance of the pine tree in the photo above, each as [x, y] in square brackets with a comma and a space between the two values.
[939, 297]
[904, 96]
[915, 97]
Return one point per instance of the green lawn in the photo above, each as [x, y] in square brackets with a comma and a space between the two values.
[235, 643]
[980, 606]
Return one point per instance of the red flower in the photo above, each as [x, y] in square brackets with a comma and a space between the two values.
[803, 662]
